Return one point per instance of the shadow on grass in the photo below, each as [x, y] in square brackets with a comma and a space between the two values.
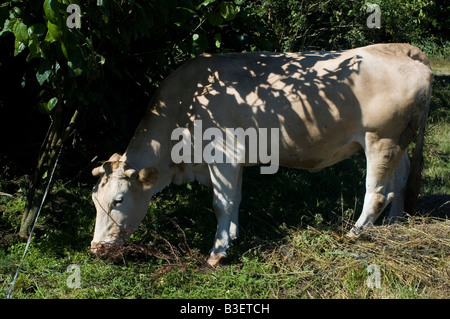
[271, 204]
[434, 206]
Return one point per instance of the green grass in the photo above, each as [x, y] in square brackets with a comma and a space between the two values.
[440, 65]
[437, 141]
[292, 242]
[308, 263]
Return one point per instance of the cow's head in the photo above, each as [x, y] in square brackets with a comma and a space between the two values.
[121, 201]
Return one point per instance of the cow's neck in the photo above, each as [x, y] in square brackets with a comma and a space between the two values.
[151, 143]
[149, 147]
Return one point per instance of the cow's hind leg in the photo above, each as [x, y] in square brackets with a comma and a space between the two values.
[227, 182]
[383, 156]
[398, 185]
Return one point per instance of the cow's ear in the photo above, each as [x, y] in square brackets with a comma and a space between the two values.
[97, 171]
[148, 176]
[105, 168]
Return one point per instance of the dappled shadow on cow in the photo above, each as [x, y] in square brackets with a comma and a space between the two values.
[325, 106]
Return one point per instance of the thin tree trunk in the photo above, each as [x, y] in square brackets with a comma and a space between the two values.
[56, 138]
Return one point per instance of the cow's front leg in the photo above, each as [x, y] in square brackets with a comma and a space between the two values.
[224, 209]
[227, 181]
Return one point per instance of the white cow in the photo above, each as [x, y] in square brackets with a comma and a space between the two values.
[324, 106]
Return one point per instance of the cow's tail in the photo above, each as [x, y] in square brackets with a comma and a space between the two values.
[415, 174]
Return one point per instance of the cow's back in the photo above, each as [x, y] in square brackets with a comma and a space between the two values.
[322, 102]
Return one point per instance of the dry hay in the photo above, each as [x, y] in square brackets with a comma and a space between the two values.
[153, 246]
[413, 258]
[419, 249]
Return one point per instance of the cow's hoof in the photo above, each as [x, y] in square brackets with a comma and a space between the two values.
[354, 233]
[214, 259]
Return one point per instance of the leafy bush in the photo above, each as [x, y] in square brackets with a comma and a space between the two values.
[91, 85]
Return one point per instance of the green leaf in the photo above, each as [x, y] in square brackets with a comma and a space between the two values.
[37, 29]
[33, 47]
[52, 103]
[64, 50]
[20, 30]
[6, 27]
[74, 68]
[76, 60]
[4, 13]
[102, 59]
[54, 33]
[17, 11]
[47, 108]
[18, 47]
[218, 38]
[52, 11]
[205, 3]
[44, 70]
[228, 10]
[35, 33]
[215, 18]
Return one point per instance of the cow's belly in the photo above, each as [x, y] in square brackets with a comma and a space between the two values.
[315, 158]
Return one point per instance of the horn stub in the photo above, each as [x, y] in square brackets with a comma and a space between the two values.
[115, 157]
[107, 165]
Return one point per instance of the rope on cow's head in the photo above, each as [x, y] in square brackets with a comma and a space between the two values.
[106, 212]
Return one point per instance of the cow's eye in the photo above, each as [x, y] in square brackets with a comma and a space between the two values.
[118, 200]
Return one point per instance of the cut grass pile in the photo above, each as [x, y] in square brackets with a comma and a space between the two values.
[413, 260]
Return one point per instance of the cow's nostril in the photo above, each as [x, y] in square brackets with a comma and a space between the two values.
[102, 248]
[95, 248]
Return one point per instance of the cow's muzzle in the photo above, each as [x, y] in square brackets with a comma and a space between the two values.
[103, 248]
